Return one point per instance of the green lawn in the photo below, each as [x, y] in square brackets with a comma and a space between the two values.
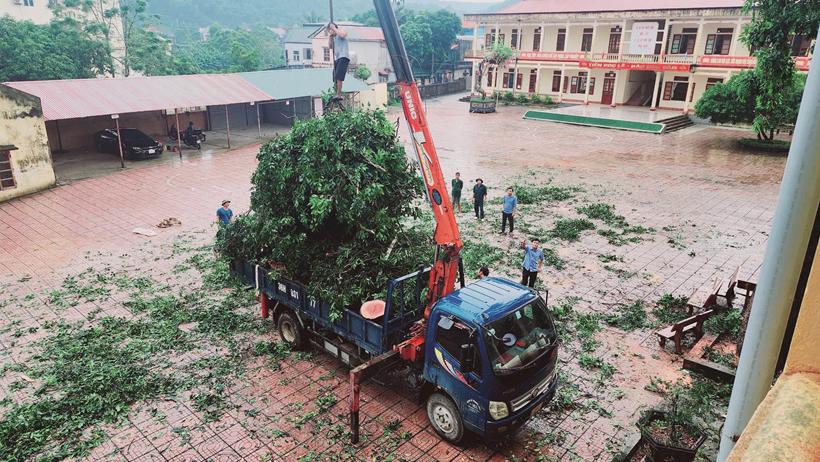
[595, 121]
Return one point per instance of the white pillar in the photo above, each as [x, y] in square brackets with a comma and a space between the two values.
[658, 79]
[543, 34]
[615, 88]
[472, 78]
[698, 42]
[475, 38]
[623, 40]
[586, 89]
[667, 28]
[735, 37]
[497, 33]
[690, 90]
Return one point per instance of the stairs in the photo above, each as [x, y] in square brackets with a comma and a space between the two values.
[675, 123]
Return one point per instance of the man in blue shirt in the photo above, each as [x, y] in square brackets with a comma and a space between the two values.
[533, 259]
[224, 213]
[508, 210]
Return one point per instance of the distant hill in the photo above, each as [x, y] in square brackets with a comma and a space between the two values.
[191, 14]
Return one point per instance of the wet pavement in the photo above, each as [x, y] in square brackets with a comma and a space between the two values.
[710, 207]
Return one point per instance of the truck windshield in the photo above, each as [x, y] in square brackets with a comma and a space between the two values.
[517, 340]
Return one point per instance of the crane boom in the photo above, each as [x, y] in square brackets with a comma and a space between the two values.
[448, 241]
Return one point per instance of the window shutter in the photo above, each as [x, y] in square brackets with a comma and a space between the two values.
[690, 45]
[592, 85]
[710, 44]
[573, 88]
[725, 44]
[667, 91]
[519, 80]
[566, 83]
[676, 43]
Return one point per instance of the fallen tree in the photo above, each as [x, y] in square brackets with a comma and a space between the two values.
[333, 206]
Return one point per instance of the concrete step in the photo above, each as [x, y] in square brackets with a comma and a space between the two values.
[675, 123]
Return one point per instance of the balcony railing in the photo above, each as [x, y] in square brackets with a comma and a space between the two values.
[657, 62]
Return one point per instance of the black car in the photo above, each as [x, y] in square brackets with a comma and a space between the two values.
[135, 144]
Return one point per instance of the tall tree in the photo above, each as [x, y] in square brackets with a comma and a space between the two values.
[59, 50]
[99, 19]
[770, 34]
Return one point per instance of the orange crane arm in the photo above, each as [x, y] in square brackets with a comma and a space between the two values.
[448, 241]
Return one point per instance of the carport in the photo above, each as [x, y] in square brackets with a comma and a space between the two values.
[236, 108]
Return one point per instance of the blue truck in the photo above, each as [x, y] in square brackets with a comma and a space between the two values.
[490, 349]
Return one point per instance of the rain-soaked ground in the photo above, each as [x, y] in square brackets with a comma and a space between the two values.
[626, 218]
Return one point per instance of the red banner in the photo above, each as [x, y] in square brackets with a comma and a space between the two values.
[635, 66]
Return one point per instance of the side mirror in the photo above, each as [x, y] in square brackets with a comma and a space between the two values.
[467, 359]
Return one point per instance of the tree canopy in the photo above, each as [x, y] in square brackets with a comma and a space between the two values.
[770, 34]
[333, 210]
[59, 50]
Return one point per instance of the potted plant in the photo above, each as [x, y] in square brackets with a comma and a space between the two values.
[495, 56]
[672, 435]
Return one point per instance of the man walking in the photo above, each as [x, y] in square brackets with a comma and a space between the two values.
[458, 185]
[479, 194]
[509, 202]
[533, 259]
[338, 43]
[224, 213]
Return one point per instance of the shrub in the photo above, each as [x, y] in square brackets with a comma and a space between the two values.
[779, 146]
[670, 309]
[535, 99]
[547, 100]
[570, 229]
[629, 317]
[521, 98]
[508, 96]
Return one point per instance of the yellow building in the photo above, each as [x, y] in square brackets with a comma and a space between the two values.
[25, 158]
[663, 53]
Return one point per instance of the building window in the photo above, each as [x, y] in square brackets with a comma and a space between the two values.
[519, 81]
[6, 172]
[712, 81]
[586, 40]
[536, 40]
[562, 40]
[308, 54]
[501, 39]
[579, 83]
[533, 80]
[509, 79]
[514, 39]
[326, 52]
[296, 56]
[489, 39]
[676, 90]
[28, 2]
[659, 37]
[556, 81]
[684, 44]
[614, 40]
[490, 78]
[719, 44]
[801, 45]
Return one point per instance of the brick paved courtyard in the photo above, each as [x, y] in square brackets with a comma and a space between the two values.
[708, 206]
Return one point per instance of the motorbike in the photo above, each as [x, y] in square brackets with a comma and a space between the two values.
[193, 139]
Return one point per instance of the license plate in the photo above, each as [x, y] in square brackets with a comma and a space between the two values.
[151, 151]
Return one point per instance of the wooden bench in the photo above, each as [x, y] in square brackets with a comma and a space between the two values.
[677, 330]
[726, 300]
[710, 301]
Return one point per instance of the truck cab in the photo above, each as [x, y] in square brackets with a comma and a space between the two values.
[490, 358]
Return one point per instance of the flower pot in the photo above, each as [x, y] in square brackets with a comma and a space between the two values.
[660, 451]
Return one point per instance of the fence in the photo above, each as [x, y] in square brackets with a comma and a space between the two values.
[436, 89]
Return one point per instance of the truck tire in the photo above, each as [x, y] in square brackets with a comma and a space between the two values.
[445, 418]
[290, 331]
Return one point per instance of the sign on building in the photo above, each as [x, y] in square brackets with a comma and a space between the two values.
[643, 38]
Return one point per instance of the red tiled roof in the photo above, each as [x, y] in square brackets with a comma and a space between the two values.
[581, 6]
[69, 99]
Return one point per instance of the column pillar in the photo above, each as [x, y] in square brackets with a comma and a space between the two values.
[543, 34]
[615, 88]
[690, 89]
[586, 90]
[735, 37]
[698, 42]
[658, 80]
[667, 27]
[623, 40]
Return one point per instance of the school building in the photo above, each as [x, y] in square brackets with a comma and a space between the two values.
[658, 54]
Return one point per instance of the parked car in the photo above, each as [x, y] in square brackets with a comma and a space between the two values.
[135, 144]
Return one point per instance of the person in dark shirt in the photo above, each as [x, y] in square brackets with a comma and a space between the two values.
[189, 132]
[224, 213]
[458, 185]
[479, 194]
[483, 272]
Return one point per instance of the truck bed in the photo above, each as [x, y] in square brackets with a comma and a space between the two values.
[403, 307]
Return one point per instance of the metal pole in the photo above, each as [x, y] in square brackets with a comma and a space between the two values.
[258, 121]
[228, 125]
[791, 229]
[179, 137]
[119, 142]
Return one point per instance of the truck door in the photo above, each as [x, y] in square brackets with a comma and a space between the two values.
[447, 371]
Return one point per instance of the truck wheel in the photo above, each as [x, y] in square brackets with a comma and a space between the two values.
[444, 415]
[290, 331]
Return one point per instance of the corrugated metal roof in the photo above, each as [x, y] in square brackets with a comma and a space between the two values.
[294, 83]
[300, 34]
[563, 6]
[356, 32]
[70, 99]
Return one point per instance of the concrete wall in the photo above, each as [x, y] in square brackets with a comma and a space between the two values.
[39, 13]
[78, 134]
[300, 47]
[22, 125]
[371, 53]
[375, 97]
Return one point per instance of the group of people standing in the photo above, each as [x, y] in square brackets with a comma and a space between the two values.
[533, 255]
